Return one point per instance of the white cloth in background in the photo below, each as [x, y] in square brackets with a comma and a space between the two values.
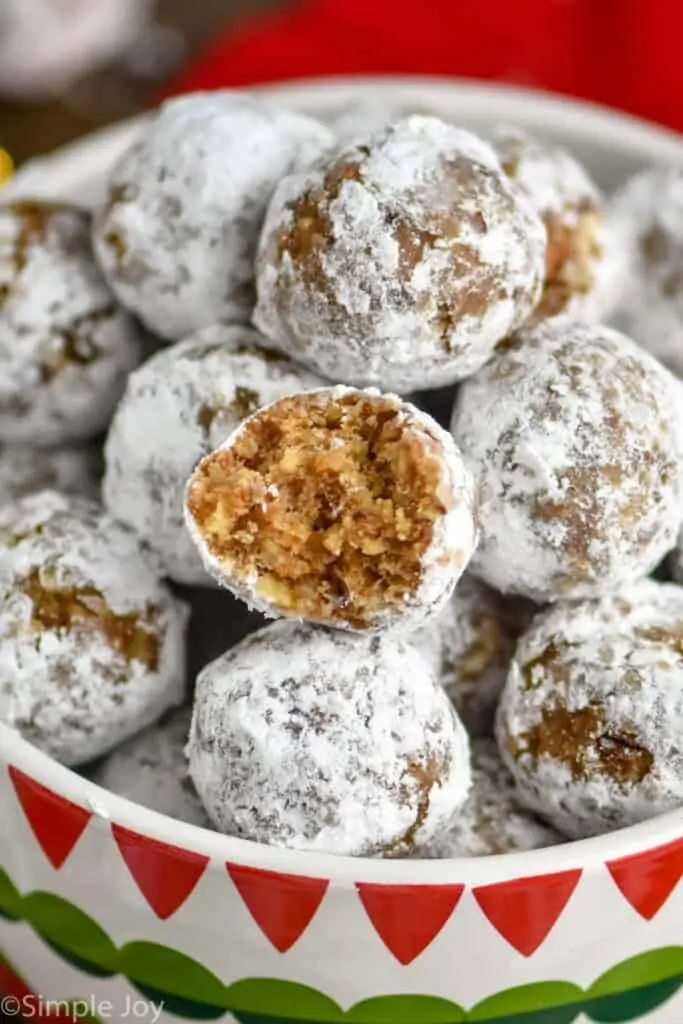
[47, 44]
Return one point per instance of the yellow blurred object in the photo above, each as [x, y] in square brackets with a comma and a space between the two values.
[6, 167]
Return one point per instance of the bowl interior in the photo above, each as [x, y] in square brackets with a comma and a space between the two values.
[613, 146]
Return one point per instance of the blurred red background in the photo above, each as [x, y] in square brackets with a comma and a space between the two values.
[623, 53]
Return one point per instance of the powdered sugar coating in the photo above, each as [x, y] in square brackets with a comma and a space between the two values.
[91, 643]
[316, 740]
[401, 260]
[72, 470]
[647, 214]
[470, 645]
[65, 346]
[454, 538]
[177, 408]
[177, 237]
[575, 437]
[590, 720]
[363, 118]
[151, 769]
[583, 270]
[492, 819]
[552, 178]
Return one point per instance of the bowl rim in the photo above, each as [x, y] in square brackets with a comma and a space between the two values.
[590, 123]
[109, 808]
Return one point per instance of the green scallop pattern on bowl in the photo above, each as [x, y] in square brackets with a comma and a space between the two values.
[10, 898]
[262, 999]
[628, 991]
[71, 933]
[636, 986]
[560, 999]
[405, 1010]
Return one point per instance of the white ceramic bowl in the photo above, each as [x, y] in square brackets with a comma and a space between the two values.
[110, 904]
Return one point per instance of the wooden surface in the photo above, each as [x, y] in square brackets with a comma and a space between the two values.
[27, 129]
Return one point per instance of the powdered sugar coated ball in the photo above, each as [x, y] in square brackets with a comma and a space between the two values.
[401, 260]
[648, 216]
[316, 740]
[91, 643]
[344, 507]
[177, 236]
[72, 470]
[470, 644]
[65, 346]
[491, 820]
[590, 719]
[151, 769]
[575, 437]
[178, 407]
[584, 272]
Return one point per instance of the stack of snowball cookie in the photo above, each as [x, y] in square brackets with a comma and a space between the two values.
[411, 394]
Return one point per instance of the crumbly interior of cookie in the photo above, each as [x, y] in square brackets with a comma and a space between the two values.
[73, 344]
[34, 221]
[582, 738]
[488, 648]
[570, 259]
[423, 776]
[70, 609]
[329, 502]
[583, 741]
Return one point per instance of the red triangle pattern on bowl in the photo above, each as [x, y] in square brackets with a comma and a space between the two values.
[646, 880]
[282, 906]
[165, 875]
[525, 910]
[56, 823]
[408, 918]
